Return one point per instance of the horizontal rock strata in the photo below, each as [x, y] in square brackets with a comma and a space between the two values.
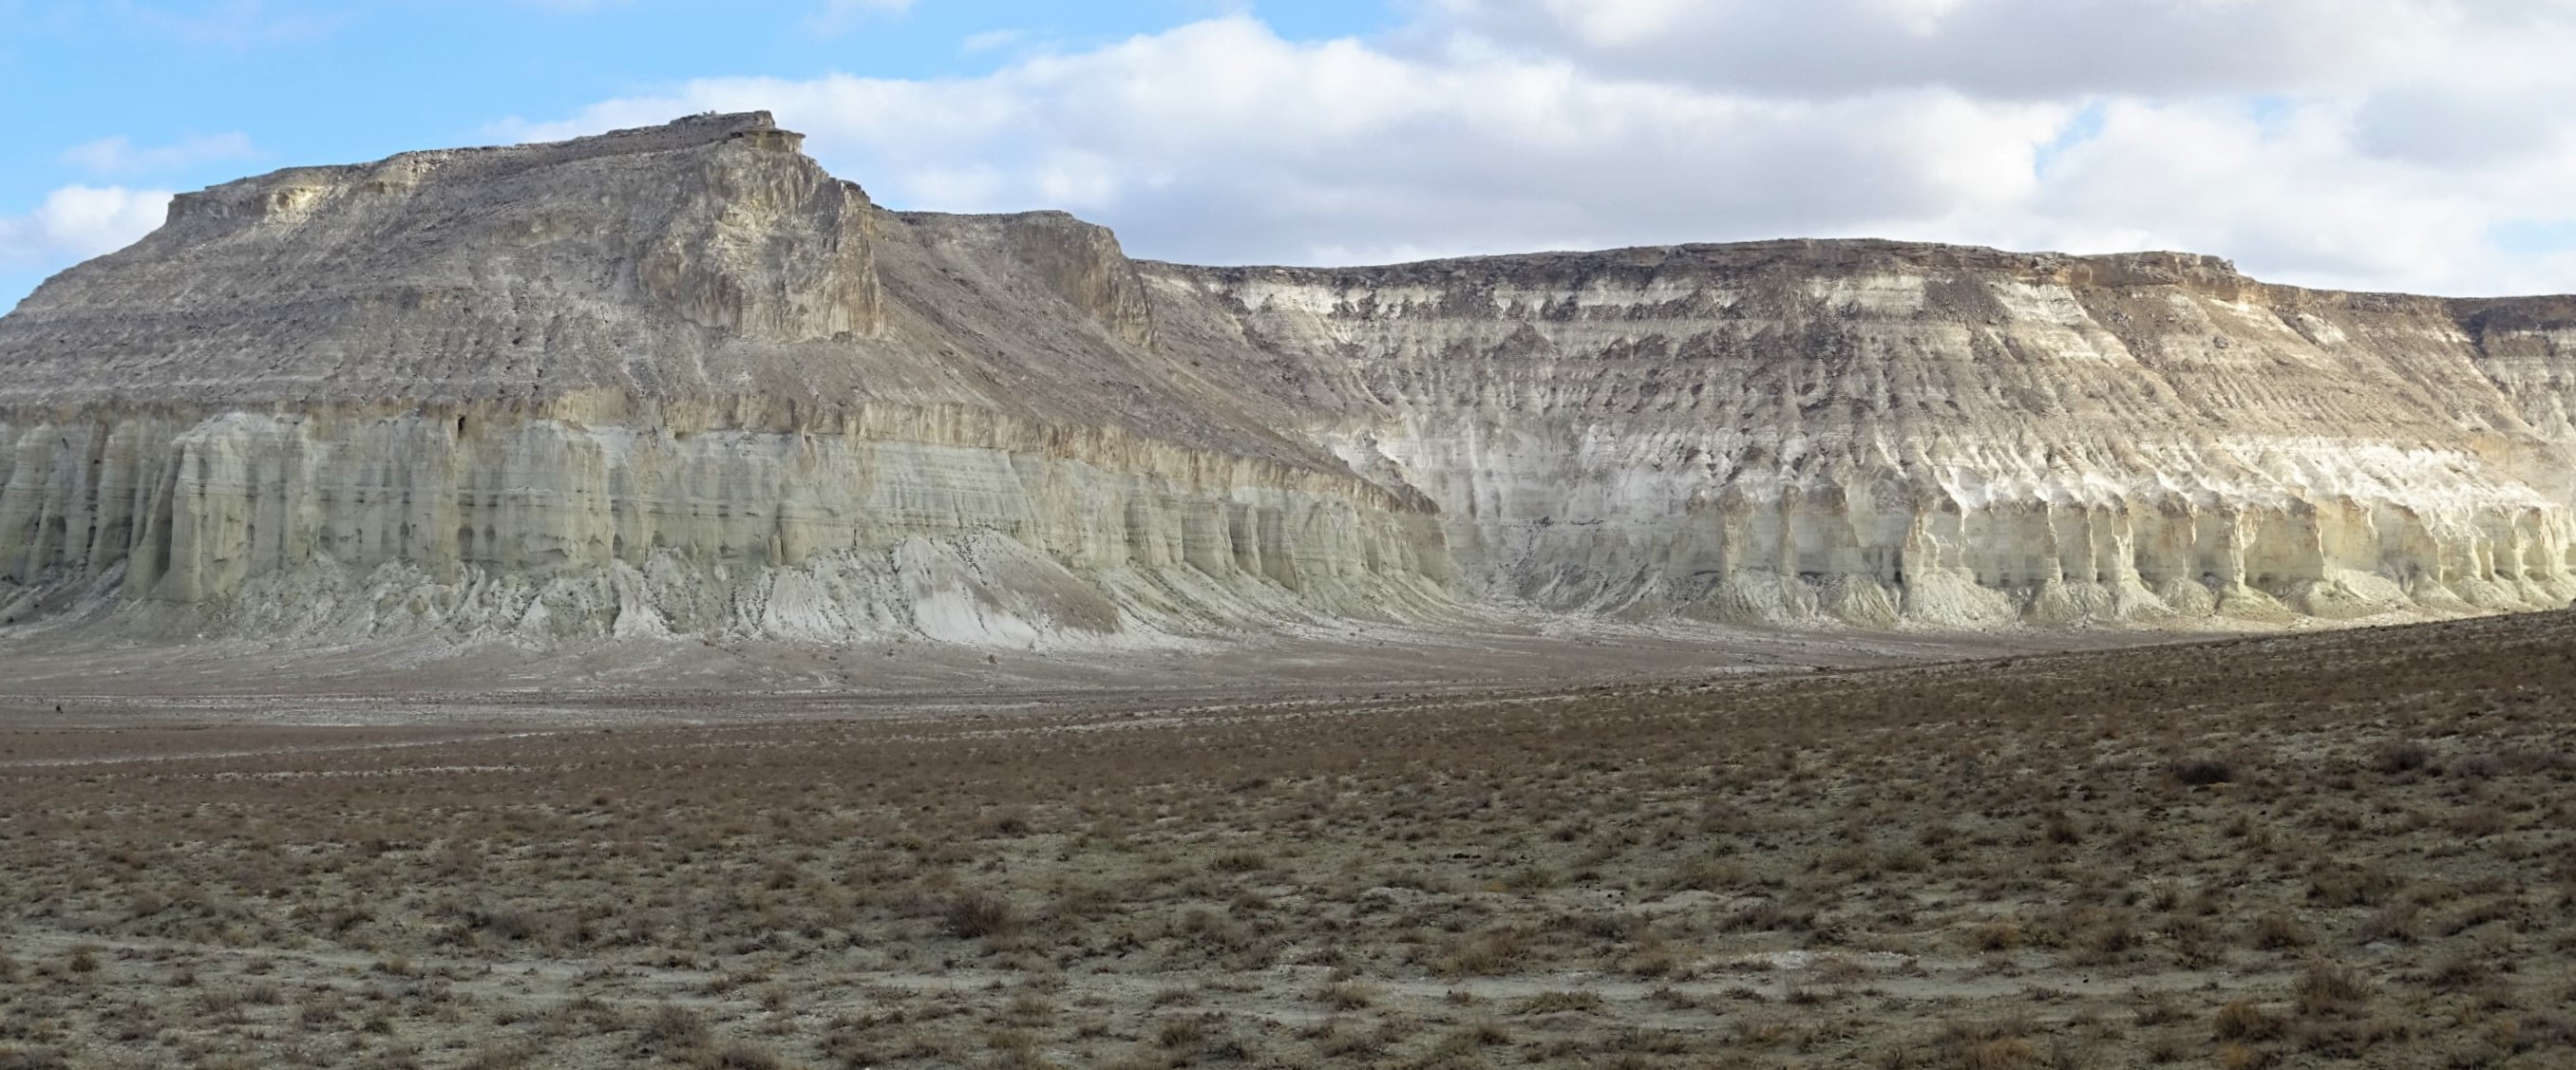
[681, 381]
[675, 380]
[1876, 432]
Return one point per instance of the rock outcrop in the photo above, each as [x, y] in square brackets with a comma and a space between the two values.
[1877, 432]
[664, 380]
[680, 380]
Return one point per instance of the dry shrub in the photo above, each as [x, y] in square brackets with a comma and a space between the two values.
[2158, 1008]
[2110, 936]
[1771, 917]
[675, 1031]
[2401, 757]
[1031, 1009]
[2351, 886]
[2193, 941]
[2329, 987]
[2245, 1020]
[1559, 1003]
[1486, 954]
[980, 914]
[2461, 971]
[2241, 1057]
[2399, 922]
[734, 1057]
[1998, 1044]
[2481, 822]
[2347, 1037]
[1182, 1032]
[2202, 772]
[1240, 862]
[2531, 1032]
[2277, 931]
[2016, 1053]
[1710, 875]
[1347, 995]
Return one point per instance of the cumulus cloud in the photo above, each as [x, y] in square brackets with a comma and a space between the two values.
[2385, 144]
[78, 222]
[2005, 48]
[1221, 141]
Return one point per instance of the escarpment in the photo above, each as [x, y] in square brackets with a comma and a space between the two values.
[680, 380]
[673, 380]
[1878, 432]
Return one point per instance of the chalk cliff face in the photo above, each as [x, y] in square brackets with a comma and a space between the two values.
[1876, 432]
[680, 380]
[675, 380]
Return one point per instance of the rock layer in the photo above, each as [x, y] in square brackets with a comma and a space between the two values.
[681, 381]
[666, 380]
[1875, 432]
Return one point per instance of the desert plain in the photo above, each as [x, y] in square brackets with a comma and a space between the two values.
[2333, 848]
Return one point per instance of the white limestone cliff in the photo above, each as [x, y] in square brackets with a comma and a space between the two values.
[1876, 433]
[674, 380]
[680, 381]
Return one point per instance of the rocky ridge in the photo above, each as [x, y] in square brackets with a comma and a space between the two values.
[680, 380]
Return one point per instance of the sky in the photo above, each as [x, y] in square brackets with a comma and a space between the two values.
[2409, 145]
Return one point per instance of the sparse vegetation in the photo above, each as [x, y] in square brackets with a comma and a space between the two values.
[2361, 855]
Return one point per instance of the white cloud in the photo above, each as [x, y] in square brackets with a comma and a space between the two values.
[1221, 141]
[838, 16]
[2381, 144]
[991, 41]
[118, 155]
[2009, 48]
[78, 222]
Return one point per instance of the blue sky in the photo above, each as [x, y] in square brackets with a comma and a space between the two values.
[2372, 144]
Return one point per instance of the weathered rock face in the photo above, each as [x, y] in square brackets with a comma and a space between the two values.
[667, 380]
[1877, 432]
[680, 380]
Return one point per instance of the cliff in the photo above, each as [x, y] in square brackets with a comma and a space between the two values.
[1878, 432]
[682, 381]
[674, 380]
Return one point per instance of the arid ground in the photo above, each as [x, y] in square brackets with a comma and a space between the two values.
[2337, 848]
